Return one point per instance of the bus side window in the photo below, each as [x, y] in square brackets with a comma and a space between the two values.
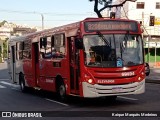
[44, 42]
[42, 55]
[19, 50]
[43, 45]
[27, 50]
[53, 48]
[47, 44]
[52, 41]
[58, 45]
[41, 42]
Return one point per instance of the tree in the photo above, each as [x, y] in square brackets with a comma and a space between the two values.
[5, 48]
[2, 23]
[106, 4]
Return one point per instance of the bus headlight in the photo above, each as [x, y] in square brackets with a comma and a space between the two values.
[88, 79]
[139, 78]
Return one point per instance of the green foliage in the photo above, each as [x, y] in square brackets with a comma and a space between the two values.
[101, 1]
[5, 49]
[105, 3]
[0, 51]
[2, 23]
[151, 55]
[152, 58]
[0, 59]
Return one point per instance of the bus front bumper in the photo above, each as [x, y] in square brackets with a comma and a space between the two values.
[93, 91]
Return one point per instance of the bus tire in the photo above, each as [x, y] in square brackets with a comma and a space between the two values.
[61, 91]
[22, 83]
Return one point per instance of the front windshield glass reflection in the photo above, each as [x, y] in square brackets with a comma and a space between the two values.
[112, 50]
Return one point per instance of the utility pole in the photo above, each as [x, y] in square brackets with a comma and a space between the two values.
[155, 54]
[42, 21]
[149, 48]
[142, 23]
[9, 38]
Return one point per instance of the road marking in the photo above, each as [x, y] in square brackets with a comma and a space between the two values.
[127, 98]
[3, 79]
[57, 102]
[10, 84]
[16, 89]
[2, 86]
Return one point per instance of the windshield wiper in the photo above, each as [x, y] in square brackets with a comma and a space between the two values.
[121, 49]
[126, 38]
[103, 38]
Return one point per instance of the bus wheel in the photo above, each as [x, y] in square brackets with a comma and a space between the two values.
[22, 83]
[61, 91]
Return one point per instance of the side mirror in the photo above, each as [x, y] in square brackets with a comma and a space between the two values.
[79, 43]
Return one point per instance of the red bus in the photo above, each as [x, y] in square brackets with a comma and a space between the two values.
[95, 57]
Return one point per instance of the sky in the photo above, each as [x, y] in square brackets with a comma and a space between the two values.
[55, 12]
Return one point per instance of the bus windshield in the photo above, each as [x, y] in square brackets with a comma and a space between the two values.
[112, 50]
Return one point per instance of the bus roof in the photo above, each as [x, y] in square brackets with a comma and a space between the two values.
[63, 28]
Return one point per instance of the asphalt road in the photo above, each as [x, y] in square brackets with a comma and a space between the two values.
[12, 99]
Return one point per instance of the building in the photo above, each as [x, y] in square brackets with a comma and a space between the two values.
[142, 11]
[7, 30]
[147, 12]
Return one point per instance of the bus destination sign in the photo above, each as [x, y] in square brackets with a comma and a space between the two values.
[111, 26]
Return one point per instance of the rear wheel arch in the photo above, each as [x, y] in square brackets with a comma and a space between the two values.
[60, 88]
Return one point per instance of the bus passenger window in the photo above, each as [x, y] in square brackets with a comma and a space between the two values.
[19, 50]
[48, 52]
[42, 55]
[43, 42]
[58, 46]
[45, 47]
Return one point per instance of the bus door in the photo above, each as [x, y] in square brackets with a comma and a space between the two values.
[35, 63]
[42, 63]
[74, 65]
[12, 64]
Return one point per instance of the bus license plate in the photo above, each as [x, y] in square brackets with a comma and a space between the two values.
[117, 89]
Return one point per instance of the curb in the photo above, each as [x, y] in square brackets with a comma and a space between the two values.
[153, 81]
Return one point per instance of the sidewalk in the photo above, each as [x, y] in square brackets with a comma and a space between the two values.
[154, 76]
